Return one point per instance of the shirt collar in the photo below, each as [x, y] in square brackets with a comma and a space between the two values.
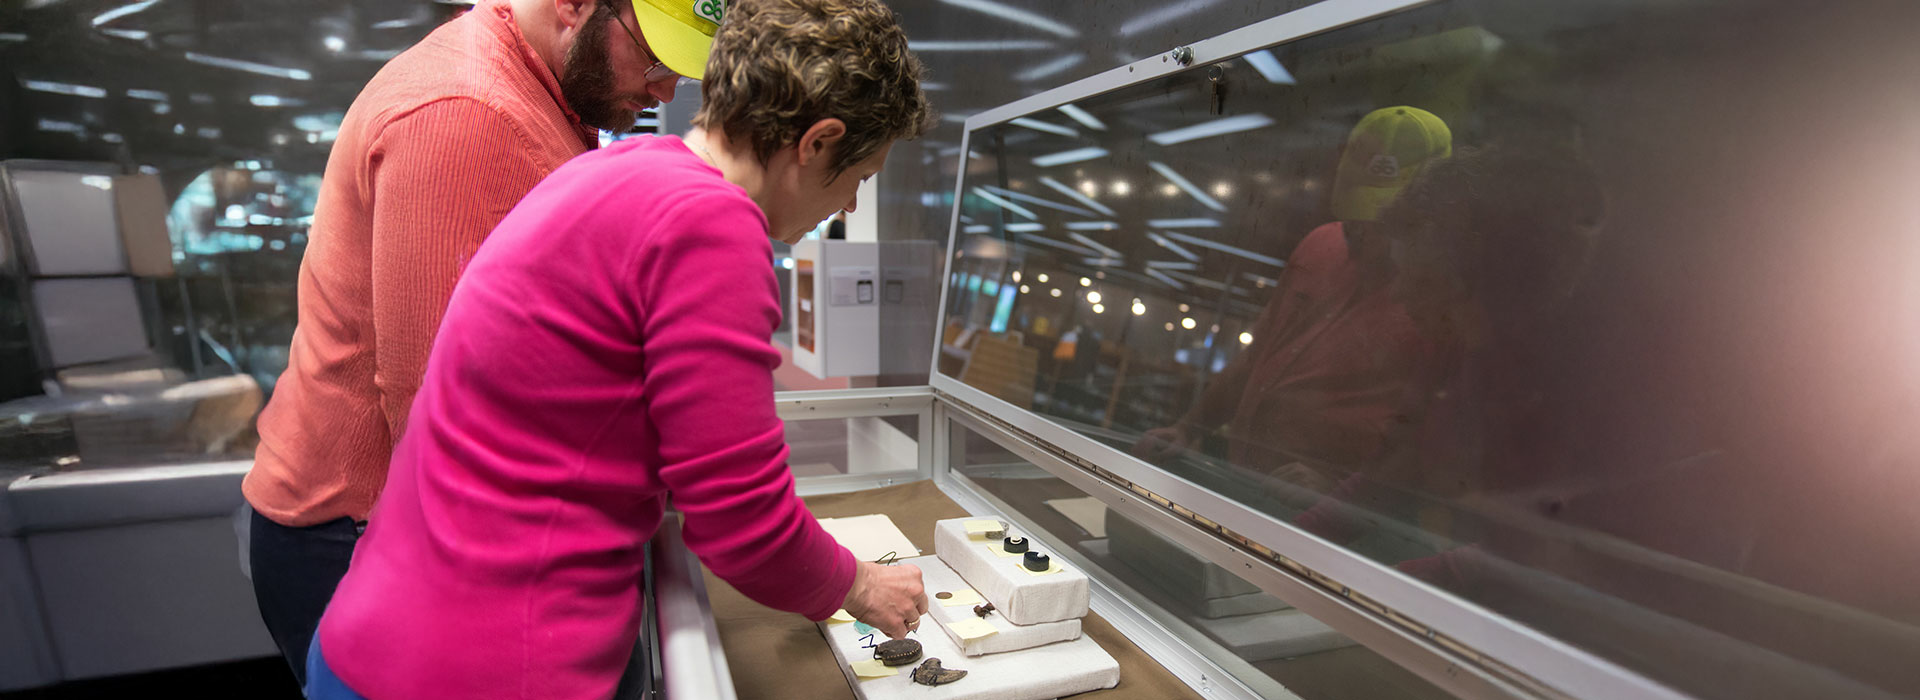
[497, 17]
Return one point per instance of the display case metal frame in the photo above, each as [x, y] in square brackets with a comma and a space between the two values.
[1456, 644]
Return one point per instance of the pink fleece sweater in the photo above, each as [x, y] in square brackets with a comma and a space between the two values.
[606, 348]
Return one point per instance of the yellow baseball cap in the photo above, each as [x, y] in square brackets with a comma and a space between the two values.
[680, 32]
[1384, 151]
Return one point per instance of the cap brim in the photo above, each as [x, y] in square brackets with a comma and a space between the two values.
[683, 48]
[1362, 202]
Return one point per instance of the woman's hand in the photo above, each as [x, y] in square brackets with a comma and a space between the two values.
[890, 598]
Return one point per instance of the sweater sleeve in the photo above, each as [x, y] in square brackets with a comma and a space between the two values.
[441, 177]
[709, 304]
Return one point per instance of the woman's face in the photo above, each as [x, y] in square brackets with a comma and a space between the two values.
[820, 194]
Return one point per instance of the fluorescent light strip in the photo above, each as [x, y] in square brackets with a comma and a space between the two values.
[997, 201]
[1230, 250]
[1217, 127]
[1202, 281]
[1184, 223]
[1175, 247]
[1186, 186]
[1038, 125]
[63, 88]
[12, 36]
[1073, 156]
[1018, 16]
[1090, 243]
[1048, 69]
[1172, 265]
[1075, 195]
[1063, 245]
[1080, 115]
[1262, 281]
[1103, 262]
[72, 128]
[1017, 45]
[249, 66]
[1092, 226]
[1269, 67]
[121, 11]
[395, 23]
[128, 34]
[155, 95]
[935, 87]
[1025, 227]
[1160, 17]
[1162, 276]
[978, 228]
[1036, 201]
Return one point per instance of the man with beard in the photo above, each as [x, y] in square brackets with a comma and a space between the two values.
[432, 154]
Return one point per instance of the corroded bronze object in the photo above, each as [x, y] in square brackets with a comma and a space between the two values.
[930, 673]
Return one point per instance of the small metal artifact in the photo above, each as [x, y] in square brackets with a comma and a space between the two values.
[1036, 561]
[1014, 545]
[982, 610]
[898, 652]
[930, 673]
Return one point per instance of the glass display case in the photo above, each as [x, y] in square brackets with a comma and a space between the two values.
[1472, 348]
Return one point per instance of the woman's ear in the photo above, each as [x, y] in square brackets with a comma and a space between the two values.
[820, 139]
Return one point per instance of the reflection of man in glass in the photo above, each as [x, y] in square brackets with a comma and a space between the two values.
[1487, 246]
[1318, 389]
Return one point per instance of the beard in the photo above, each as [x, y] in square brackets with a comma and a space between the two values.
[587, 80]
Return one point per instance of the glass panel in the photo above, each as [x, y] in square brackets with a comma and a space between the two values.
[867, 445]
[1256, 637]
[1599, 317]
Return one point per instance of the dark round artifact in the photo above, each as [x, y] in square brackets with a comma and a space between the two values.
[1014, 545]
[1037, 561]
[898, 652]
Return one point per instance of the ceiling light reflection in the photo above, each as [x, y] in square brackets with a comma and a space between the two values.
[1073, 156]
[1186, 186]
[1080, 115]
[1269, 67]
[1217, 127]
[1057, 186]
[1050, 68]
[1017, 16]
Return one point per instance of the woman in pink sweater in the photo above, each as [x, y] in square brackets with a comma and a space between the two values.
[608, 347]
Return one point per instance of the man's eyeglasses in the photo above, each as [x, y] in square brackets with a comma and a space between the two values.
[658, 71]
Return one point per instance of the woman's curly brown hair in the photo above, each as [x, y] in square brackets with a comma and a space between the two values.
[779, 66]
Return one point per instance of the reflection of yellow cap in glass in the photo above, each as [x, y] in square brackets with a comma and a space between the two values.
[681, 31]
[1386, 149]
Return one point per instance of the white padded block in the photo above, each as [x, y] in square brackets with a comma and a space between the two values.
[1181, 572]
[1007, 637]
[1050, 671]
[1023, 598]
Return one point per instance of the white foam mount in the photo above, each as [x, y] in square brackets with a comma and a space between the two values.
[1006, 637]
[1023, 598]
[1181, 572]
[1047, 671]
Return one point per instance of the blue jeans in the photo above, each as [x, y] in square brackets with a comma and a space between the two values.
[321, 683]
[295, 570]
